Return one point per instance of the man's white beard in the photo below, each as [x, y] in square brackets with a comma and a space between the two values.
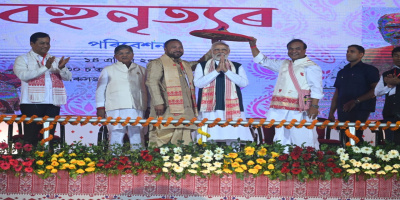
[218, 56]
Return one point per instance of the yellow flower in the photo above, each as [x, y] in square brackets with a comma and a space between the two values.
[228, 171]
[235, 164]
[62, 160]
[253, 171]
[240, 170]
[90, 169]
[261, 161]
[274, 154]
[91, 164]
[80, 163]
[233, 155]
[238, 160]
[49, 167]
[271, 160]
[40, 153]
[87, 159]
[40, 172]
[394, 171]
[271, 166]
[61, 154]
[267, 173]
[55, 163]
[244, 167]
[53, 159]
[71, 166]
[258, 167]
[39, 162]
[381, 172]
[80, 171]
[262, 152]
[65, 165]
[73, 161]
[351, 171]
[53, 171]
[249, 151]
[54, 156]
[250, 162]
[72, 154]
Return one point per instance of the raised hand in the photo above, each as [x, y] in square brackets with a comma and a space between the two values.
[63, 62]
[49, 62]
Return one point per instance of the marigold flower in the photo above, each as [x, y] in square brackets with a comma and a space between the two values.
[81, 163]
[54, 156]
[228, 171]
[274, 154]
[91, 164]
[240, 170]
[262, 152]
[253, 171]
[267, 173]
[271, 160]
[238, 160]
[80, 171]
[233, 155]
[271, 166]
[55, 163]
[250, 162]
[73, 161]
[72, 166]
[249, 151]
[53, 171]
[244, 167]
[90, 169]
[53, 159]
[87, 159]
[258, 167]
[49, 167]
[39, 162]
[62, 160]
[72, 154]
[235, 164]
[261, 161]
[61, 154]
[40, 153]
[40, 172]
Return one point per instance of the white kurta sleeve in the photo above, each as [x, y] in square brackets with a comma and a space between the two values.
[202, 81]
[271, 64]
[314, 80]
[101, 89]
[23, 72]
[65, 74]
[240, 79]
[381, 89]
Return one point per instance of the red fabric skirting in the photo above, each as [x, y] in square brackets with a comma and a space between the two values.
[228, 186]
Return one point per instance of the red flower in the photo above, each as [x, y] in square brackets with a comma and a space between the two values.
[27, 147]
[322, 169]
[283, 157]
[27, 163]
[144, 152]
[99, 164]
[128, 171]
[136, 164]
[148, 157]
[330, 152]
[295, 156]
[140, 170]
[310, 149]
[112, 163]
[296, 164]
[156, 150]
[18, 145]
[336, 170]
[13, 162]
[123, 159]
[286, 164]
[121, 167]
[107, 166]
[157, 170]
[18, 168]
[6, 157]
[331, 164]
[307, 164]
[306, 156]
[330, 160]
[296, 171]
[297, 149]
[101, 160]
[3, 145]
[28, 169]
[310, 172]
[285, 170]
[320, 154]
[5, 166]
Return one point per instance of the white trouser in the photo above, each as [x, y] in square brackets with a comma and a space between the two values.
[117, 135]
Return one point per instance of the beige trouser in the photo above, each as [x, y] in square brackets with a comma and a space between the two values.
[159, 137]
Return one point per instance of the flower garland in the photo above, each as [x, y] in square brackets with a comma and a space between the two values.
[148, 121]
[366, 125]
[315, 121]
[116, 121]
[136, 121]
[43, 119]
[2, 117]
[377, 123]
[259, 123]
[351, 136]
[251, 120]
[46, 140]
[324, 124]
[280, 124]
[302, 122]
[387, 125]
[191, 121]
[291, 124]
[126, 122]
[107, 121]
[214, 123]
[56, 118]
[226, 123]
[9, 122]
[97, 121]
[88, 118]
[77, 121]
[345, 125]
[396, 127]
[358, 122]
[335, 125]
[158, 122]
[202, 122]
[238, 122]
[179, 121]
[21, 119]
[66, 120]
[169, 119]
[203, 133]
[271, 123]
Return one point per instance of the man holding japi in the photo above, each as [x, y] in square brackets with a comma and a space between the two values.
[296, 94]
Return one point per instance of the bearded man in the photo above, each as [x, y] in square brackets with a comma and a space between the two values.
[219, 81]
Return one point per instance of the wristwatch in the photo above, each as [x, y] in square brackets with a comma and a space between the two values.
[357, 101]
[315, 106]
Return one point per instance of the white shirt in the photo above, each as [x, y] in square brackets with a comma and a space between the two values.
[313, 74]
[24, 74]
[201, 81]
[381, 89]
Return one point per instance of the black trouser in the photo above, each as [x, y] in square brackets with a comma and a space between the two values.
[32, 130]
[353, 116]
[392, 136]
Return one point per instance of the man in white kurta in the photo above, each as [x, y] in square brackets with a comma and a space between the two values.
[121, 92]
[219, 81]
[285, 104]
